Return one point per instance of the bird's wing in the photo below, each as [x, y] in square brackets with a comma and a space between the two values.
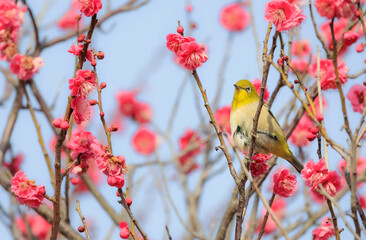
[271, 135]
[273, 128]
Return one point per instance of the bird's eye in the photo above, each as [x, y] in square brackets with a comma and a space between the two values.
[248, 89]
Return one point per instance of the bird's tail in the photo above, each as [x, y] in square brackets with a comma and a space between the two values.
[296, 163]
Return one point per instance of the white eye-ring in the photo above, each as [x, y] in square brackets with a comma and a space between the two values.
[248, 89]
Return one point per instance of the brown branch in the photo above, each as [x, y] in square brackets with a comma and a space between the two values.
[37, 49]
[40, 138]
[218, 131]
[43, 210]
[261, 231]
[61, 139]
[127, 7]
[107, 133]
[132, 217]
[325, 47]
[337, 80]
[356, 75]
[100, 199]
[267, 64]
[42, 104]
[359, 208]
[334, 219]
[8, 130]
[82, 219]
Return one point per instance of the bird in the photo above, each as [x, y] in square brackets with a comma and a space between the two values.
[270, 137]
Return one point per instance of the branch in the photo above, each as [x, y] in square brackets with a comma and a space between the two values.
[82, 219]
[127, 7]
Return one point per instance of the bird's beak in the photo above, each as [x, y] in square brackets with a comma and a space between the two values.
[236, 87]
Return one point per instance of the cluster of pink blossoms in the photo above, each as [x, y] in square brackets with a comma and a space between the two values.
[144, 141]
[278, 207]
[317, 173]
[84, 147]
[233, 17]
[88, 7]
[80, 87]
[11, 19]
[336, 8]
[190, 54]
[69, 20]
[39, 227]
[325, 230]
[299, 136]
[187, 161]
[300, 50]
[285, 183]
[14, 165]
[356, 95]
[26, 191]
[327, 74]
[222, 117]
[130, 106]
[340, 25]
[114, 168]
[25, 66]
[259, 166]
[305, 130]
[284, 14]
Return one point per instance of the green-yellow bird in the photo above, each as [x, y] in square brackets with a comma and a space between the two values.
[270, 136]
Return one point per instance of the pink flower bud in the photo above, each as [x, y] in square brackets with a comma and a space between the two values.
[319, 116]
[359, 47]
[128, 201]
[123, 224]
[42, 190]
[93, 63]
[64, 125]
[101, 114]
[314, 130]
[75, 181]
[280, 62]
[103, 85]
[120, 182]
[311, 136]
[100, 55]
[111, 181]
[93, 102]
[81, 37]
[113, 128]
[180, 29]
[81, 229]
[124, 233]
[57, 122]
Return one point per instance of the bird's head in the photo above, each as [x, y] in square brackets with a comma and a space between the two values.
[244, 93]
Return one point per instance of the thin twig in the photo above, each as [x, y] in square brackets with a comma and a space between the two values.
[82, 219]
[132, 217]
[261, 231]
[40, 138]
